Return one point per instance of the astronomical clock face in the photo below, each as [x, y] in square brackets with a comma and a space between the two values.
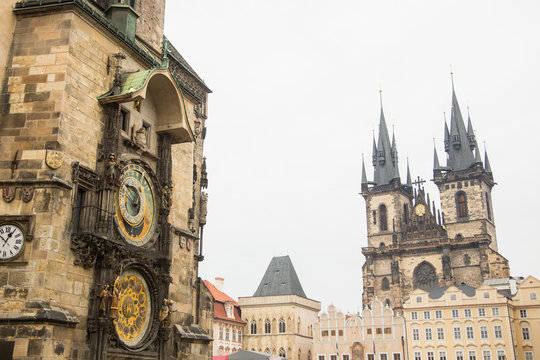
[134, 308]
[136, 214]
[420, 209]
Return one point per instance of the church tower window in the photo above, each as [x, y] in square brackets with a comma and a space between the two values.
[385, 284]
[461, 200]
[405, 213]
[488, 206]
[281, 325]
[383, 219]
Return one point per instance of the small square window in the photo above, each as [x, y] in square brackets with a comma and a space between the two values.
[467, 313]
[368, 331]
[418, 299]
[438, 314]
[427, 315]
[414, 315]
[523, 313]
[455, 313]
[495, 311]
[481, 312]
[453, 297]
[532, 296]
[124, 120]
[486, 295]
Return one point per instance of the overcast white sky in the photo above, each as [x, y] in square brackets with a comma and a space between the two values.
[295, 100]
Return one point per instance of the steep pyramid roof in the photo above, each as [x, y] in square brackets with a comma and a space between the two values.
[280, 279]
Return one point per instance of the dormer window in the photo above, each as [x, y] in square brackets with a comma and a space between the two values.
[229, 310]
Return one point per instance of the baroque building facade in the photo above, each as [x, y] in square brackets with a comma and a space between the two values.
[377, 333]
[413, 245]
[102, 124]
[279, 316]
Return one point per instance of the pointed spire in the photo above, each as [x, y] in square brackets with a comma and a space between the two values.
[470, 131]
[374, 155]
[436, 165]
[477, 156]
[487, 165]
[364, 176]
[460, 154]
[446, 135]
[409, 182]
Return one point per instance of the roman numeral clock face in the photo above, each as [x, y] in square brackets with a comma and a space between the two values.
[11, 241]
[136, 214]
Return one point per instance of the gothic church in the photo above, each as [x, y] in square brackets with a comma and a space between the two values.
[411, 244]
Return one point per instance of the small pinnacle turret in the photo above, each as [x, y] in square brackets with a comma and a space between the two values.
[364, 176]
[385, 155]
[487, 165]
[409, 182]
[436, 165]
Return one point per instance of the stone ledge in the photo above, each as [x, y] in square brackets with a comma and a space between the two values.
[44, 312]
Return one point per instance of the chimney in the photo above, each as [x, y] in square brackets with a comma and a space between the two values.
[219, 283]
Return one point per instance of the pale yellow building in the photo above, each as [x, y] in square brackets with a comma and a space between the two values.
[526, 319]
[279, 316]
[461, 323]
[376, 333]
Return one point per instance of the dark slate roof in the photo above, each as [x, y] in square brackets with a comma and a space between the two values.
[194, 332]
[385, 155]
[280, 279]
[464, 288]
[460, 154]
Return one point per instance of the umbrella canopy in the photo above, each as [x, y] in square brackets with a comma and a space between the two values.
[220, 358]
[253, 355]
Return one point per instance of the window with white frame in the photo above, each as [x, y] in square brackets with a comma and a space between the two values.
[472, 355]
[415, 334]
[322, 357]
[383, 356]
[440, 333]
[459, 354]
[397, 356]
[467, 313]
[455, 313]
[442, 355]
[227, 334]
[220, 333]
[486, 355]
[414, 315]
[470, 332]
[345, 357]
[438, 314]
[525, 333]
[427, 315]
[481, 312]
[370, 356]
[501, 355]
[453, 297]
[529, 355]
[532, 296]
[457, 333]
[498, 331]
[495, 311]
[239, 335]
[333, 357]
[430, 355]
[523, 313]
[429, 334]
[483, 332]
[486, 295]
[417, 355]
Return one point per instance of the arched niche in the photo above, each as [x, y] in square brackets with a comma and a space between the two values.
[425, 276]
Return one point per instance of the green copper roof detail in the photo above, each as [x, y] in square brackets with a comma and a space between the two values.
[131, 82]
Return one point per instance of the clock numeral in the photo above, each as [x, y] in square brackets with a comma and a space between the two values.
[19, 241]
[8, 228]
[16, 247]
[18, 235]
[4, 254]
[1, 231]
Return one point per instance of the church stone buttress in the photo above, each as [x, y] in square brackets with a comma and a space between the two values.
[413, 245]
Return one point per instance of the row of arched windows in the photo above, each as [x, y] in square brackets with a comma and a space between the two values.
[268, 326]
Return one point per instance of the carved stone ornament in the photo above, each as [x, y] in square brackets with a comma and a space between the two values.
[8, 193]
[27, 193]
[203, 209]
[189, 244]
[140, 137]
[112, 170]
[166, 197]
[182, 242]
[54, 159]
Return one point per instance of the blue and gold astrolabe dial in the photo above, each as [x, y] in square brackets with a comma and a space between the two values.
[136, 214]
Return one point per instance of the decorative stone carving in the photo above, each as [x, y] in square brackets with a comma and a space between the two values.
[425, 277]
[447, 267]
[54, 159]
[166, 197]
[104, 296]
[204, 208]
[395, 272]
[112, 172]
[140, 137]
[27, 193]
[8, 193]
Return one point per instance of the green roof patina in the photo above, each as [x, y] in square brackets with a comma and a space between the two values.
[131, 82]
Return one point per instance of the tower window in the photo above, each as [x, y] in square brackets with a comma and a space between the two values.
[267, 327]
[385, 284]
[406, 213]
[124, 120]
[461, 200]
[374, 214]
[488, 206]
[383, 219]
[281, 325]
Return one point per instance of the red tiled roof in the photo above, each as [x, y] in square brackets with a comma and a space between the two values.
[218, 295]
[220, 298]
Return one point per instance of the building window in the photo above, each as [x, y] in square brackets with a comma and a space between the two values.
[321, 357]
[457, 333]
[470, 332]
[387, 302]
[383, 356]
[333, 332]
[281, 325]
[418, 299]
[442, 355]
[501, 355]
[397, 356]
[124, 120]
[340, 332]
[370, 356]
[414, 315]
[234, 335]
[459, 355]
[455, 313]
[383, 218]
[495, 311]
[427, 315]
[239, 335]
[453, 297]
[486, 355]
[481, 312]
[415, 334]
[529, 355]
[486, 295]
[461, 200]
[368, 331]
[525, 333]
[345, 357]
[387, 330]
[523, 313]
[227, 334]
[267, 327]
[378, 331]
[333, 357]
[488, 207]
[220, 333]
[467, 313]
[406, 213]
[429, 335]
[472, 355]
[430, 355]
[440, 334]
[325, 332]
[532, 296]
[282, 353]
[438, 314]
[253, 327]
[498, 331]
[374, 214]
[385, 284]
[483, 332]
[417, 355]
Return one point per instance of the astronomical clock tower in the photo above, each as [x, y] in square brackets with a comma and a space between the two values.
[102, 125]
[411, 243]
